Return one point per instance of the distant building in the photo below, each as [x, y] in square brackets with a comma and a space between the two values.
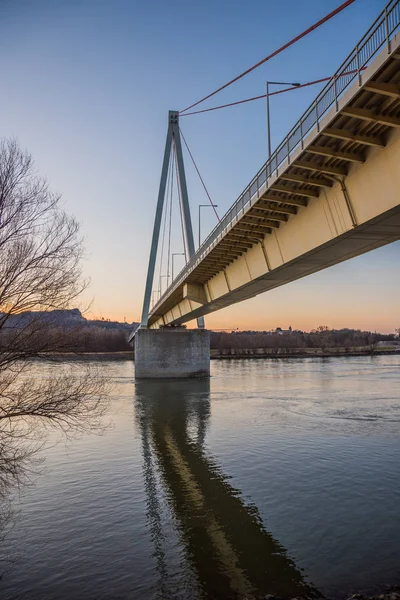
[281, 331]
[395, 344]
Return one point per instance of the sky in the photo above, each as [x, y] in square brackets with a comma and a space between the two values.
[86, 89]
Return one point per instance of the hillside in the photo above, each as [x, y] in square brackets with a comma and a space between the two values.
[62, 318]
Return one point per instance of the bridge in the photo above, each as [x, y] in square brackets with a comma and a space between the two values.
[329, 192]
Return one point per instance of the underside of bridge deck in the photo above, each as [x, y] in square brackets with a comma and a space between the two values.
[336, 196]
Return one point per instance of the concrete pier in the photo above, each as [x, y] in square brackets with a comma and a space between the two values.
[172, 353]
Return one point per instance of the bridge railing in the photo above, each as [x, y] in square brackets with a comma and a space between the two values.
[378, 35]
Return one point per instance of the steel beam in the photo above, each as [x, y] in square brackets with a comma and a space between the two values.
[255, 232]
[263, 223]
[365, 114]
[349, 136]
[285, 210]
[326, 151]
[311, 165]
[386, 89]
[309, 180]
[219, 255]
[299, 191]
[261, 214]
[287, 200]
[239, 236]
[242, 247]
[226, 252]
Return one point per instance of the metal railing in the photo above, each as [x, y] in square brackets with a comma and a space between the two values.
[378, 34]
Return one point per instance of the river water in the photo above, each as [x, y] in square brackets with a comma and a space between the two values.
[274, 477]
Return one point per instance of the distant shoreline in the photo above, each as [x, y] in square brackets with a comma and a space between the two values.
[237, 353]
[100, 356]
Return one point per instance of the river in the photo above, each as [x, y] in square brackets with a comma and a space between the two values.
[274, 477]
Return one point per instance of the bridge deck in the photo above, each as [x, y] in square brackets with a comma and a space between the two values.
[319, 153]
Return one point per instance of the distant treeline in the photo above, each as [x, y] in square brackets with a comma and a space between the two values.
[44, 339]
[322, 337]
[100, 338]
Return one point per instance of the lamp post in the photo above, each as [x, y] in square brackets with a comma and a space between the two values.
[204, 206]
[268, 114]
[175, 254]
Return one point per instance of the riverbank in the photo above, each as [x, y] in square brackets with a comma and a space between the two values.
[223, 353]
[236, 353]
[82, 356]
[393, 593]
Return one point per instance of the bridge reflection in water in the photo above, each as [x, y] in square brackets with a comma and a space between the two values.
[224, 539]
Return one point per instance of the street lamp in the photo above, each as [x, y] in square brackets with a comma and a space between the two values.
[176, 254]
[268, 115]
[205, 206]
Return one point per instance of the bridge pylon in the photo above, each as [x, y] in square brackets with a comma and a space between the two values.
[173, 140]
[171, 352]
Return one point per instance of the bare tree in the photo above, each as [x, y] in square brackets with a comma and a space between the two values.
[40, 273]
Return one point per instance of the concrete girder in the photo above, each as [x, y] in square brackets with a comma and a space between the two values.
[255, 220]
[285, 210]
[287, 200]
[241, 246]
[214, 267]
[296, 191]
[261, 214]
[212, 271]
[331, 152]
[311, 165]
[255, 232]
[226, 251]
[209, 272]
[214, 259]
[386, 89]
[365, 114]
[309, 180]
[221, 253]
[349, 136]
[238, 236]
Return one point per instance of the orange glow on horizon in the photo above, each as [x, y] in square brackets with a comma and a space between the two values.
[234, 318]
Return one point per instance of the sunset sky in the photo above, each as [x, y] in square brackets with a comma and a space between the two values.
[86, 88]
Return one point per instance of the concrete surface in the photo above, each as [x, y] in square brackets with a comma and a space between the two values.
[172, 353]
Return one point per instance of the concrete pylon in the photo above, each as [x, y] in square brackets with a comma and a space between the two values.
[173, 137]
[170, 352]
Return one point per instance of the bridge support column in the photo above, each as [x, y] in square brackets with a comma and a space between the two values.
[172, 353]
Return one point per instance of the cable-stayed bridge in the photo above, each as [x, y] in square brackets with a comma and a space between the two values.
[330, 191]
